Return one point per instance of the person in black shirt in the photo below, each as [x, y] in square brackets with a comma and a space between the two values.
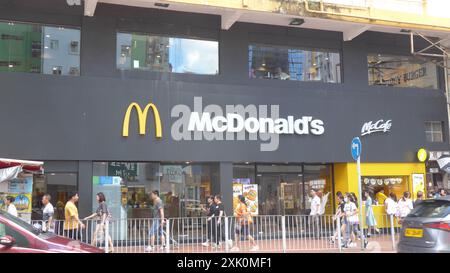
[218, 213]
[339, 214]
[419, 198]
[102, 215]
[208, 209]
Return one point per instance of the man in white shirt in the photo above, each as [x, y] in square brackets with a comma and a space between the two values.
[315, 212]
[11, 208]
[47, 214]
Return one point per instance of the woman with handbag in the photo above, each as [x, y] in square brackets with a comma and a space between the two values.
[243, 221]
[103, 216]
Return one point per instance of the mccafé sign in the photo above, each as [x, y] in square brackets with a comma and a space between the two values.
[378, 126]
[232, 122]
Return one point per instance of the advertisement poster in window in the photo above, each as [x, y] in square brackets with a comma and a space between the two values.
[128, 171]
[250, 193]
[418, 184]
[21, 189]
[173, 173]
[237, 190]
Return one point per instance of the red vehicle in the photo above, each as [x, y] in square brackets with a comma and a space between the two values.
[17, 236]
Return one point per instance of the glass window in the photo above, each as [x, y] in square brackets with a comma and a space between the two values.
[271, 62]
[433, 131]
[59, 186]
[127, 185]
[432, 209]
[167, 54]
[243, 173]
[319, 178]
[285, 189]
[402, 71]
[39, 49]
[185, 187]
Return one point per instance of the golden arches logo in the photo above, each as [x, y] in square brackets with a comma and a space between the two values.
[142, 119]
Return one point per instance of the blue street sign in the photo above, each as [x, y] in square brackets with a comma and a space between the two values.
[356, 148]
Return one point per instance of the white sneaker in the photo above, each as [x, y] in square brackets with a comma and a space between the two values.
[162, 247]
[230, 243]
[254, 248]
[235, 248]
[150, 249]
[205, 244]
[214, 246]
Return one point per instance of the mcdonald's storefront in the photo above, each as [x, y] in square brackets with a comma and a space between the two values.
[101, 121]
[190, 147]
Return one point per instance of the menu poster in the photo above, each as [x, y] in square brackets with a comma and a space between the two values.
[21, 185]
[237, 190]
[418, 184]
[250, 193]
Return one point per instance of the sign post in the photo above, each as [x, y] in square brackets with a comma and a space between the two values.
[356, 147]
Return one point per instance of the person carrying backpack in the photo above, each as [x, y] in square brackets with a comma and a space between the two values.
[103, 217]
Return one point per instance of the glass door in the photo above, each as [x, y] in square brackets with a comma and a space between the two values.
[281, 189]
[291, 194]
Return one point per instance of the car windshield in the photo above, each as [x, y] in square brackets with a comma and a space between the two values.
[431, 209]
[20, 222]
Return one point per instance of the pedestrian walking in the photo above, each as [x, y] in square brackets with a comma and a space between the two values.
[47, 214]
[217, 222]
[244, 220]
[102, 216]
[315, 213]
[156, 230]
[340, 213]
[72, 223]
[351, 213]
[209, 212]
[405, 206]
[371, 222]
[10, 207]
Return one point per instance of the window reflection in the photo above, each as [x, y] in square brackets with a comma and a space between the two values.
[166, 54]
[127, 186]
[402, 71]
[35, 48]
[269, 62]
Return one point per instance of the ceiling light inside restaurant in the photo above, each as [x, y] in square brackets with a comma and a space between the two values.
[296, 22]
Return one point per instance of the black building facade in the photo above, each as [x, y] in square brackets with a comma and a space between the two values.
[75, 123]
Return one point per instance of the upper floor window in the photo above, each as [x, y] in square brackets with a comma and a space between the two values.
[281, 63]
[166, 54]
[41, 49]
[433, 131]
[402, 71]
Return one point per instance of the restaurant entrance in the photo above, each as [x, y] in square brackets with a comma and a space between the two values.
[283, 189]
[281, 194]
